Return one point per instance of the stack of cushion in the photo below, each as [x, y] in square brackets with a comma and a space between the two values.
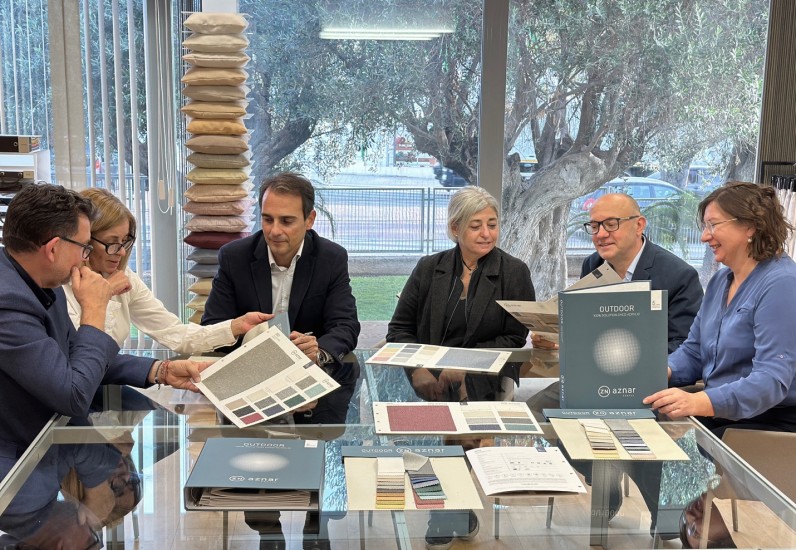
[219, 198]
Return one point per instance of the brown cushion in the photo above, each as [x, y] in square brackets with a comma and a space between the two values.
[203, 160]
[216, 43]
[211, 239]
[222, 145]
[220, 127]
[202, 286]
[229, 208]
[216, 93]
[217, 193]
[218, 176]
[225, 60]
[215, 110]
[216, 23]
[202, 76]
[226, 224]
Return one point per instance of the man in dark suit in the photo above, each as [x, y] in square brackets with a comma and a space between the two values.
[622, 244]
[617, 231]
[287, 267]
[49, 366]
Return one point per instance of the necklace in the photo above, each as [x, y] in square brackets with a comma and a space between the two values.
[470, 269]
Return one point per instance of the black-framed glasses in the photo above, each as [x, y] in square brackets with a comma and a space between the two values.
[96, 543]
[87, 248]
[711, 226]
[120, 486]
[609, 224]
[115, 248]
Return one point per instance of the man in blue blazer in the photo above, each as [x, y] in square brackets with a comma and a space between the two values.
[288, 267]
[47, 366]
[617, 231]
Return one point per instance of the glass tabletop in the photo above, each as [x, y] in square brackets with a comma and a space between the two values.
[130, 461]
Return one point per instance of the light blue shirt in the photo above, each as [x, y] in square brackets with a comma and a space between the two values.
[632, 267]
[745, 352]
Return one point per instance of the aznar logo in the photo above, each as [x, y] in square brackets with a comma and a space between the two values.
[237, 478]
[598, 412]
[603, 391]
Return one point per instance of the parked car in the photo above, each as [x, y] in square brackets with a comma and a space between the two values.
[528, 168]
[645, 190]
[701, 179]
[447, 177]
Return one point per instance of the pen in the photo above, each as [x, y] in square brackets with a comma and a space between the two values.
[308, 333]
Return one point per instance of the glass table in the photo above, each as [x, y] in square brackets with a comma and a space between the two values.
[145, 442]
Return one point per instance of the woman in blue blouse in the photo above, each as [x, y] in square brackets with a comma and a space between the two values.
[741, 343]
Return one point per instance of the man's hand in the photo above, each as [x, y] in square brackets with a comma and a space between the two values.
[248, 321]
[307, 407]
[182, 374]
[425, 384]
[540, 342]
[97, 504]
[119, 283]
[306, 343]
[92, 292]
[676, 403]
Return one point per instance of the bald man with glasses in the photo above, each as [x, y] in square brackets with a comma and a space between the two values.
[617, 228]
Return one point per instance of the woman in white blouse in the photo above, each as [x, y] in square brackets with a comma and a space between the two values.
[113, 235]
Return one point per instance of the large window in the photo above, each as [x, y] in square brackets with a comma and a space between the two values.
[379, 103]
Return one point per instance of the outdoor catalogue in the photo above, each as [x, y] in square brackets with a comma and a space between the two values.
[613, 345]
[256, 474]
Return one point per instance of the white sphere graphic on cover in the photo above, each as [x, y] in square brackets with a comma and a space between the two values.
[259, 462]
[616, 351]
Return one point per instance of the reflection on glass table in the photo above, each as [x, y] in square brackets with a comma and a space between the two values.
[146, 452]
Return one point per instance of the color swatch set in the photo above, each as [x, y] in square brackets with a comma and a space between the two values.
[440, 357]
[603, 435]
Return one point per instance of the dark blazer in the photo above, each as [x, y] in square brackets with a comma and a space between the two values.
[321, 300]
[666, 272]
[420, 313]
[47, 366]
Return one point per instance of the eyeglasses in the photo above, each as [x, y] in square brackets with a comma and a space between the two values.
[87, 248]
[711, 226]
[115, 248]
[609, 224]
[120, 486]
[96, 543]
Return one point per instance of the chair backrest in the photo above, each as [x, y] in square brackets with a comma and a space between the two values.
[770, 453]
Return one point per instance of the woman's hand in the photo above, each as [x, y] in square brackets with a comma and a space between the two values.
[119, 283]
[248, 321]
[676, 403]
[453, 379]
[425, 384]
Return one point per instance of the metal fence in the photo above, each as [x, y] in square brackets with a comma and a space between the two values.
[385, 220]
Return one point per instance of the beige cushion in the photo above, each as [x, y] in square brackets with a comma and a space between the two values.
[217, 193]
[215, 109]
[220, 145]
[221, 127]
[216, 43]
[202, 286]
[201, 76]
[229, 208]
[227, 60]
[197, 303]
[196, 317]
[203, 160]
[216, 93]
[216, 23]
[217, 176]
[225, 224]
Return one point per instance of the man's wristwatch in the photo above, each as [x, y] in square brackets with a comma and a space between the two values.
[323, 358]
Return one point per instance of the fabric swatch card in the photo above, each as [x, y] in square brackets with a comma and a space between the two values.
[454, 418]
